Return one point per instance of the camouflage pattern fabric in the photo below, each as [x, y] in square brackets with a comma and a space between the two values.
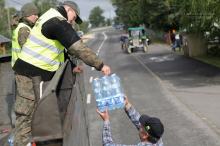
[24, 109]
[81, 51]
[23, 34]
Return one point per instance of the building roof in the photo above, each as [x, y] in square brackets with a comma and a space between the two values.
[4, 39]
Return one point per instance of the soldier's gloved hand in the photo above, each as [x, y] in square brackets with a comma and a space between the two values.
[106, 70]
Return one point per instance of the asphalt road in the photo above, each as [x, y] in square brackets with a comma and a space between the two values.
[155, 83]
[183, 92]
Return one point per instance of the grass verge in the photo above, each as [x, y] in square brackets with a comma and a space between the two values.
[210, 60]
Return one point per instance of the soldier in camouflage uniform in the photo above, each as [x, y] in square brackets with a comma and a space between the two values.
[29, 15]
[42, 55]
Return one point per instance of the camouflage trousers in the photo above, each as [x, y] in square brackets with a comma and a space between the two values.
[25, 105]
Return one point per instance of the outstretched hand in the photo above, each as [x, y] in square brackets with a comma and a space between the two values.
[104, 115]
[127, 103]
[126, 100]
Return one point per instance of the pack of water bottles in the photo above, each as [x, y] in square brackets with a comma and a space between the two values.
[108, 92]
[11, 139]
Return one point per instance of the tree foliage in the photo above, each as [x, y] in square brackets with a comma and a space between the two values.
[95, 18]
[84, 26]
[6, 14]
[135, 12]
[192, 15]
[5, 17]
[195, 15]
[43, 5]
[3, 24]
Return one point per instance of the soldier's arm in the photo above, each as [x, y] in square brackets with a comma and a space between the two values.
[59, 29]
[81, 51]
[23, 34]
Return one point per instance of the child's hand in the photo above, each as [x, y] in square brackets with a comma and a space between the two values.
[126, 100]
[104, 115]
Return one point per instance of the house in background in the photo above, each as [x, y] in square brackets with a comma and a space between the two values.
[3, 42]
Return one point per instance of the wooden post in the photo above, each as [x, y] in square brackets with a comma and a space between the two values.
[2, 48]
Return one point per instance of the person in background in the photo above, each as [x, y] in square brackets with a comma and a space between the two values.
[42, 55]
[172, 38]
[29, 15]
[22, 24]
[124, 40]
[15, 20]
[150, 129]
[178, 41]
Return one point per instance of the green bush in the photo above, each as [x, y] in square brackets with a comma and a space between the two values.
[214, 51]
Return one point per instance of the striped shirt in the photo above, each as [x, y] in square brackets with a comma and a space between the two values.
[134, 117]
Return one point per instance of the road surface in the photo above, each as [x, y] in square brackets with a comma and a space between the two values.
[159, 83]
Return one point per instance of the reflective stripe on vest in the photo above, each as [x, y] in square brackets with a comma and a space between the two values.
[16, 48]
[40, 51]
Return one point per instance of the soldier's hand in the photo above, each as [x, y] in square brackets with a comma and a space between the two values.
[106, 70]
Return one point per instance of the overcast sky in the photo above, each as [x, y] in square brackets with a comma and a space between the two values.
[85, 6]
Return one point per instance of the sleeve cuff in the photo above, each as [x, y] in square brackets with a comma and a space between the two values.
[106, 122]
[100, 67]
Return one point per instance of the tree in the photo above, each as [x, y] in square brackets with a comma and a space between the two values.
[136, 12]
[154, 13]
[84, 26]
[108, 22]
[43, 5]
[195, 15]
[95, 18]
[5, 18]
[3, 22]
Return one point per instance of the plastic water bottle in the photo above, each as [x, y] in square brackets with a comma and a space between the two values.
[110, 104]
[119, 101]
[106, 87]
[101, 104]
[11, 140]
[108, 92]
[116, 86]
[115, 79]
[97, 88]
[118, 91]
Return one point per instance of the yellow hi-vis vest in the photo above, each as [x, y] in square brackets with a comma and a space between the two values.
[40, 51]
[16, 48]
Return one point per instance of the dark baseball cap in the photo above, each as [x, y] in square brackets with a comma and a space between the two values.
[75, 7]
[153, 126]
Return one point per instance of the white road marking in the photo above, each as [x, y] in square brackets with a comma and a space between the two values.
[100, 47]
[41, 88]
[91, 79]
[88, 101]
[204, 118]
